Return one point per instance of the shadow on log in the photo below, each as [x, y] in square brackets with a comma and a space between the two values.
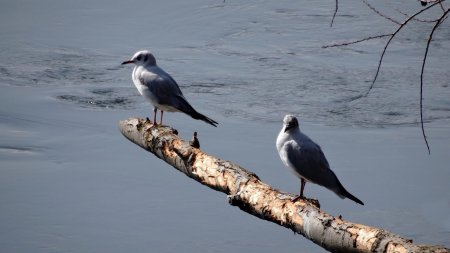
[246, 191]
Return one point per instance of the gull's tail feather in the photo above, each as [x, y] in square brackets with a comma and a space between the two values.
[197, 115]
[350, 196]
[344, 193]
[183, 105]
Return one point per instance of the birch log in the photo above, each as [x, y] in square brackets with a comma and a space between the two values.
[246, 191]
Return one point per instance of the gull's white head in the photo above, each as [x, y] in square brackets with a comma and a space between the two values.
[142, 58]
[290, 122]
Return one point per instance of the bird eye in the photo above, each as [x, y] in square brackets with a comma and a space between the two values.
[138, 58]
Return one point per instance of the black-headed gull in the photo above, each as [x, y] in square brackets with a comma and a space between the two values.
[160, 88]
[306, 160]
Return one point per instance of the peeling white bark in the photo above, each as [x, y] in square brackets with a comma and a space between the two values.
[246, 191]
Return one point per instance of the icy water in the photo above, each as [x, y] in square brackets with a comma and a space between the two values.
[69, 182]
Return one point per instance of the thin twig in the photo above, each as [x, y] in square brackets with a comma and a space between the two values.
[442, 6]
[334, 14]
[415, 19]
[389, 41]
[380, 14]
[357, 41]
[425, 2]
[438, 22]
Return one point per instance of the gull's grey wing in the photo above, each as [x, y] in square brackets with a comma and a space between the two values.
[165, 90]
[310, 162]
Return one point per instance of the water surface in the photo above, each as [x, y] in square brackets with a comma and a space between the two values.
[69, 182]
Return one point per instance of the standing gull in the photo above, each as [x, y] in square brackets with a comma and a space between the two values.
[306, 160]
[160, 88]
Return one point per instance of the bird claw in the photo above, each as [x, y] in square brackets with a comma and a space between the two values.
[294, 199]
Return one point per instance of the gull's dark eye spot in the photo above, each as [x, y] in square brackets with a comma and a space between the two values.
[138, 58]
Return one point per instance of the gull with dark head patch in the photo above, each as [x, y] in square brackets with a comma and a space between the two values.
[160, 88]
[306, 160]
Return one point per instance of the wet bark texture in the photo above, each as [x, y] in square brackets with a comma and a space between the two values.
[246, 191]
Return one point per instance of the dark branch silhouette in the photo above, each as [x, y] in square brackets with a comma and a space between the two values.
[438, 22]
[334, 14]
[381, 14]
[415, 19]
[357, 41]
[442, 6]
[402, 25]
[391, 36]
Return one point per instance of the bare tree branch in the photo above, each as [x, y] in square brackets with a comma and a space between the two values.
[392, 37]
[438, 22]
[442, 6]
[380, 14]
[334, 14]
[415, 19]
[357, 41]
[425, 2]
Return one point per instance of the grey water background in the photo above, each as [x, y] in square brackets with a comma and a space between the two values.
[69, 182]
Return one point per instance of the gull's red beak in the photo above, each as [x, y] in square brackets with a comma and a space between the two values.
[127, 62]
